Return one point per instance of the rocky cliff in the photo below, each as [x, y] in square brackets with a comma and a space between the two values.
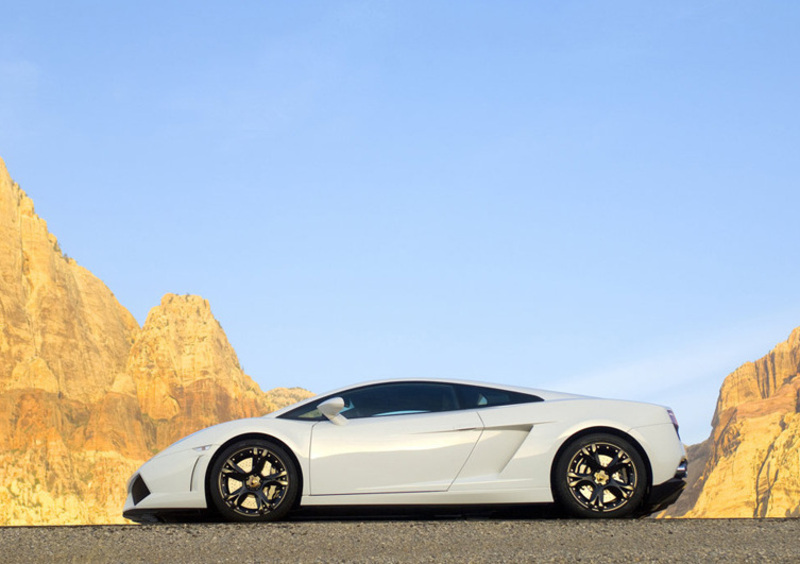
[86, 395]
[750, 465]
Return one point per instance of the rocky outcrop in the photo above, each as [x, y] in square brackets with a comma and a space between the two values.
[86, 395]
[185, 372]
[750, 465]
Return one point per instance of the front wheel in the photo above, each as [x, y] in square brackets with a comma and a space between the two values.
[600, 476]
[253, 480]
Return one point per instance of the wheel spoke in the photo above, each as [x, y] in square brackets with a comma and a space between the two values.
[625, 490]
[266, 502]
[621, 460]
[232, 470]
[596, 500]
[590, 457]
[237, 498]
[279, 479]
[575, 480]
[259, 461]
[262, 503]
[614, 461]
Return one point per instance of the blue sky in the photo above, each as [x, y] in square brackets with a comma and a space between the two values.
[597, 197]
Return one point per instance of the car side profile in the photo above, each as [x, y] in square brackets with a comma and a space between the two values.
[421, 442]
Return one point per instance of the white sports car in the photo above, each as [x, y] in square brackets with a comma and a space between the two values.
[421, 442]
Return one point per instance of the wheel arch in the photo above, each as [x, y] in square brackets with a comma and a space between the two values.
[608, 430]
[245, 436]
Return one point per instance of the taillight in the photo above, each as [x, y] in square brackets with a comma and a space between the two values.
[674, 421]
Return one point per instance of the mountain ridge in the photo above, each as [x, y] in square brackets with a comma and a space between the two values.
[750, 464]
[86, 394]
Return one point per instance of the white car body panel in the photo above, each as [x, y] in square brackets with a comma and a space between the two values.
[662, 451]
[500, 454]
[392, 454]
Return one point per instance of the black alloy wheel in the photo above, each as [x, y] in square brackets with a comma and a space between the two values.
[600, 476]
[253, 480]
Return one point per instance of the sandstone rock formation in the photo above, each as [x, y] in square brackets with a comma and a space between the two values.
[185, 372]
[62, 331]
[750, 465]
[86, 395]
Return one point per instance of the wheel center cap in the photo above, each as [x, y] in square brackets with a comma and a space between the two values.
[253, 482]
[601, 477]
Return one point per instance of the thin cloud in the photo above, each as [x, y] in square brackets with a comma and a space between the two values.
[687, 379]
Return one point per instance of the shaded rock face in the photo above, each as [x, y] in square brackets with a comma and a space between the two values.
[86, 395]
[751, 462]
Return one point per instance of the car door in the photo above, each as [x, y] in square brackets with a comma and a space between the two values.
[398, 437]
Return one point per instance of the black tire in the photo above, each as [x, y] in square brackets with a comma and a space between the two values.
[600, 476]
[253, 480]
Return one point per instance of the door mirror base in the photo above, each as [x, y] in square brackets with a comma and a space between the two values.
[332, 409]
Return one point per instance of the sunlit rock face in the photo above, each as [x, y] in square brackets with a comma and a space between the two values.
[751, 462]
[86, 395]
[62, 331]
[185, 372]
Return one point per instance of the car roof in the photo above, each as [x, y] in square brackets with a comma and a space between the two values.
[546, 395]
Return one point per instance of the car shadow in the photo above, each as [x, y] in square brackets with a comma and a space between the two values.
[387, 513]
[427, 513]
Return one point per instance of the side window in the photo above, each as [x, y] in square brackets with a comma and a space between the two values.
[470, 397]
[305, 413]
[403, 398]
[400, 398]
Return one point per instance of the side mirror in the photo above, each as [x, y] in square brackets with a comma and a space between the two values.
[332, 410]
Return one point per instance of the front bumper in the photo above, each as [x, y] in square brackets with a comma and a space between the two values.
[171, 483]
[146, 516]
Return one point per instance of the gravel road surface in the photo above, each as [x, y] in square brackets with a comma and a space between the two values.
[460, 539]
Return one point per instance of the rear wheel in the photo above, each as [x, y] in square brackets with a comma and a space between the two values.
[253, 480]
[600, 476]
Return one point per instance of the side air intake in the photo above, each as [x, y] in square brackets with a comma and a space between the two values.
[139, 490]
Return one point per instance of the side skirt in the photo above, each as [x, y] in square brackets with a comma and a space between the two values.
[532, 495]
